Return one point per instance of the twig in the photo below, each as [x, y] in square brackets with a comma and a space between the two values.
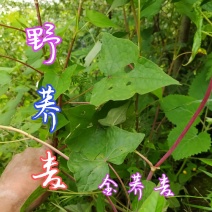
[181, 136]
[68, 175]
[111, 203]
[136, 112]
[125, 191]
[38, 12]
[21, 63]
[10, 27]
[154, 122]
[125, 20]
[34, 138]
[82, 103]
[75, 34]
[144, 158]
[39, 21]
[134, 15]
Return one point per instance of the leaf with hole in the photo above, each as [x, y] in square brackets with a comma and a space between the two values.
[144, 78]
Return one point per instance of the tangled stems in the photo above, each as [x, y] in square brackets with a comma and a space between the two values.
[181, 136]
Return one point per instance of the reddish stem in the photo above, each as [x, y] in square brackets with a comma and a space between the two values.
[179, 139]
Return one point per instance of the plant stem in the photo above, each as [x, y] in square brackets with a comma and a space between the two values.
[21, 63]
[38, 12]
[34, 138]
[125, 191]
[181, 168]
[144, 158]
[134, 15]
[181, 136]
[125, 20]
[75, 34]
[10, 27]
[111, 203]
[68, 175]
[39, 20]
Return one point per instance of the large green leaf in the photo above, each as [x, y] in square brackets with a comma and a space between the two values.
[151, 8]
[99, 19]
[155, 202]
[79, 116]
[59, 82]
[116, 53]
[146, 192]
[144, 78]
[191, 144]
[199, 86]
[179, 109]
[94, 148]
[115, 116]
[118, 3]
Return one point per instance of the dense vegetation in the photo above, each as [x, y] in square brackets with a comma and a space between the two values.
[129, 76]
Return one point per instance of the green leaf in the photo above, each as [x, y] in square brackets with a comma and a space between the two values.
[116, 53]
[192, 9]
[9, 110]
[155, 202]
[93, 148]
[151, 8]
[115, 116]
[5, 78]
[207, 173]
[206, 161]
[148, 188]
[199, 86]
[62, 121]
[144, 78]
[98, 19]
[191, 144]
[198, 35]
[80, 116]
[93, 53]
[100, 203]
[118, 3]
[179, 109]
[60, 82]
[32, 55]
[37, 193]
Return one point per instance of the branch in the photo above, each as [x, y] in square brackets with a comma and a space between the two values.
[144, 158]
[125, 191]
[181, 136]
[111, 203]
[10, 27]
[35, 139]
[75, 34]
[21, 63]
[39, 21]
[38, 12]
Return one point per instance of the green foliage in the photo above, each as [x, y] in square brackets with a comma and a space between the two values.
[191, 144]
[94, 148]
[127, 60]
[99, 19]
